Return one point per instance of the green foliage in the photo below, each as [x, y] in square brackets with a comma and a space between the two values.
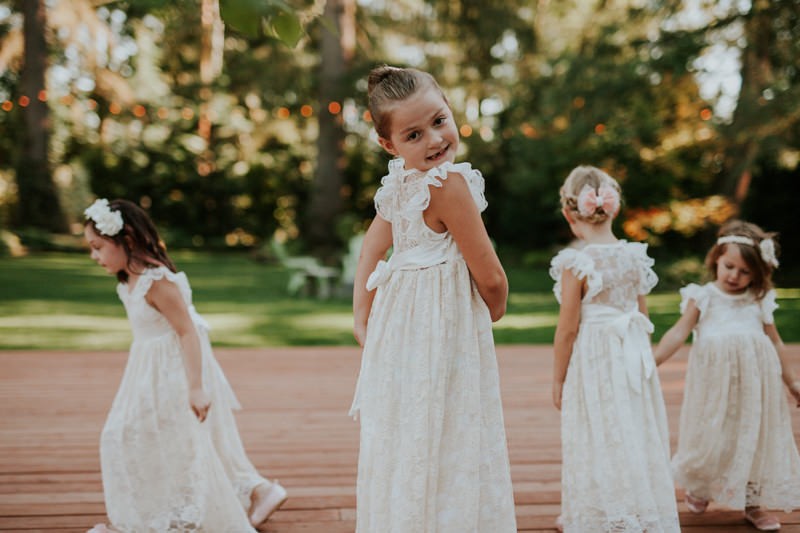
[272, 17]
[66, 302]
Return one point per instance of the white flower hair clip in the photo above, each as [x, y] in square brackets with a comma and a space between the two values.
[589, 200]
[106, 221]
[766, 247]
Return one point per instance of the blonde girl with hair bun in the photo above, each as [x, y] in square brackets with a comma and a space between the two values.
[615, 473]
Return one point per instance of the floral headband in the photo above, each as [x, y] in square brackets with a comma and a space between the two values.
[106, 221]
[766, 247]
[589, 200]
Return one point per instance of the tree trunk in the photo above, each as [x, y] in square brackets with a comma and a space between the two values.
[746, 132]
[39, 206]
[335, 55]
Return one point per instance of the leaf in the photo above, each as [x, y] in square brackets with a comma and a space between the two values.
[287, 27]
[242, 15]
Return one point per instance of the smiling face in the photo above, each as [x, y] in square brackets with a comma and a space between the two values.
[423, 131]
[105, 252]
[734, 275]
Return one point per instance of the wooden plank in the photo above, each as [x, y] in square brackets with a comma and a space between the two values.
[294, 426]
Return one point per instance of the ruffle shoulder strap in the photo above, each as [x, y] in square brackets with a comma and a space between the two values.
[647, 276]
[768, 306]
[150, 275]
[387, 192]
[697, 293]
[581, 265]
[385, 196]
[472, 176]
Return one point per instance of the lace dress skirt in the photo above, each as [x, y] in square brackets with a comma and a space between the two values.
[164, 471]
[736, 445]
[615, 443]
[433, 456]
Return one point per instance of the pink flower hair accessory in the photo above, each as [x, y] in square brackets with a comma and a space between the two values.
[590, 200]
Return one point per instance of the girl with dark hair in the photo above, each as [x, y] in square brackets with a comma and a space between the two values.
[171, 456]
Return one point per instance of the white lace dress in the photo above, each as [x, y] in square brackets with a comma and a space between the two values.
[433, 455]
[164, 471]
[614, 434]
[735, 445]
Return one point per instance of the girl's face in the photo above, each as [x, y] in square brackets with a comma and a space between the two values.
[105, 252]
[423, 131]
[733, 274]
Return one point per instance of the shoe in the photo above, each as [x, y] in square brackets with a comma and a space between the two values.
[761, 520]
[559, 523]
[696, 505]
[275, 497]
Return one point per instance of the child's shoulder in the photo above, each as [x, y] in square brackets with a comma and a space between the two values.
[160, 274]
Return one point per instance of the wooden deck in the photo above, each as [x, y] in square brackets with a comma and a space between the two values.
[295, 428]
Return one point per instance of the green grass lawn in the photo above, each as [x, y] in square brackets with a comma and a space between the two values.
[65, 301]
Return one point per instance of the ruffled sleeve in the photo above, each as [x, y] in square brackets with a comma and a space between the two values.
[472, 176]
[768, 306]
[581, 265]
[385, 196]
[150, 275]
[647, 277]
[697, 293]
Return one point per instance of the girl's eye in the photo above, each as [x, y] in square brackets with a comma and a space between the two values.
[414, 135]
[439, 120]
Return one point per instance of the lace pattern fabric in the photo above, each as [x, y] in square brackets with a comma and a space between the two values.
[735, 444]
[163, 471]
[614, 435]
[433, 453]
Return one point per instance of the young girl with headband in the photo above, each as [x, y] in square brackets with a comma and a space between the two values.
[735, 445]
[614, 435]
[170, 454]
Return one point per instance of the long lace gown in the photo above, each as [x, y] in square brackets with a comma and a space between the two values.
[614, 436]
[735, 445]
[433, 456]
[164, 471]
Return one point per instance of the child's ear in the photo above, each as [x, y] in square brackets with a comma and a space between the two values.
[567, 215]
[387, 145]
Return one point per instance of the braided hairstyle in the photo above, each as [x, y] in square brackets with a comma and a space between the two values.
[138, 237]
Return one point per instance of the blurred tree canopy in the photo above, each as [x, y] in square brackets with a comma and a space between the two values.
[238, 121]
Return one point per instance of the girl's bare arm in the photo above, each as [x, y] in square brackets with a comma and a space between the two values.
[787, 372]
[677, 334]
[166, 298]
[453, 207]
[377, 242]
[569, 318]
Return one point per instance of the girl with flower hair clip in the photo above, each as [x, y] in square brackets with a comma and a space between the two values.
[614, 436]
[170, 453]
[735, 445]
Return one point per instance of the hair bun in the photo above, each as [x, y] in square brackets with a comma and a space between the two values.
[378, 74]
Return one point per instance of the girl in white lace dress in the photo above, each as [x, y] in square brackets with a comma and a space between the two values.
[170, 452]
[735, 444]
[433, 456]
[614, 436]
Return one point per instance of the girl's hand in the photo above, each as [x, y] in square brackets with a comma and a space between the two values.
[199, 402]
[557, 390]
[360, 333]
[794, 388]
